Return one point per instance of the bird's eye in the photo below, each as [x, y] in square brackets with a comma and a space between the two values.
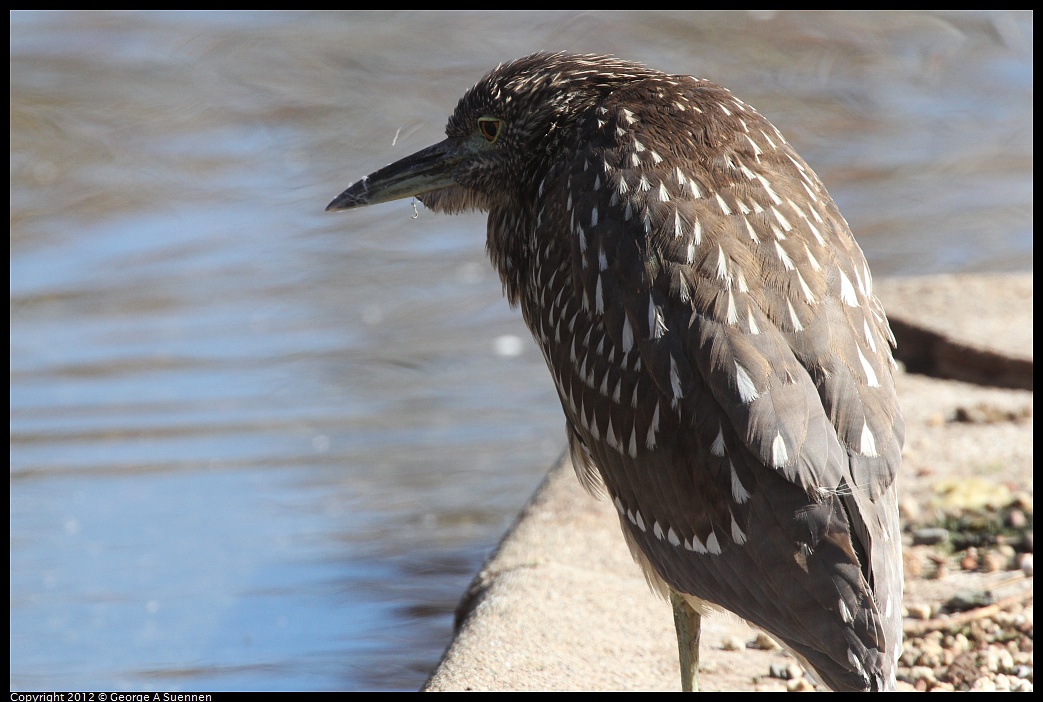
[490, 127]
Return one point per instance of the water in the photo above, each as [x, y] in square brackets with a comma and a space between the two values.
[258, 446]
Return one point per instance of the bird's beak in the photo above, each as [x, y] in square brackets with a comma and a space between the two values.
[426, 170]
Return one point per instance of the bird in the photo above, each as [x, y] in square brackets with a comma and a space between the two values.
[709, 323]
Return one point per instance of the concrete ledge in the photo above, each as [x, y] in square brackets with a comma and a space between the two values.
[976, 328]
[561, 605]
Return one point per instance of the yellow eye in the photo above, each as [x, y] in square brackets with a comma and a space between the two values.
[490, 127]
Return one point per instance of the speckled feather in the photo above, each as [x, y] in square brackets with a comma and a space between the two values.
[710, 325]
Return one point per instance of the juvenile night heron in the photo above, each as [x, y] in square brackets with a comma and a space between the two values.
[710, 325]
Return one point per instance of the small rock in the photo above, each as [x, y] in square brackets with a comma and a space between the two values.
[932, 654]
[922, 674]
[967, 599]
[993, 562]
[999, 660]
[733, 643]
[763, 642]
[983, 684]
[800, 685]
[786, 670]
[1002, 683]
[930, 536]
[919, 611]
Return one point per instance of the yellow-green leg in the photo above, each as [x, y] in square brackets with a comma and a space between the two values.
[687, 622]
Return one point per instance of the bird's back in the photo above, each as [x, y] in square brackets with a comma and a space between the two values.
[724, 368]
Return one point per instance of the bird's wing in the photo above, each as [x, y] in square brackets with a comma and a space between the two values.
[730, 371]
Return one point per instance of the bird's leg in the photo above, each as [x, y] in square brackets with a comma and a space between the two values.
[687, 622]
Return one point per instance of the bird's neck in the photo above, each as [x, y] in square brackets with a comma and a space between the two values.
[508, 244]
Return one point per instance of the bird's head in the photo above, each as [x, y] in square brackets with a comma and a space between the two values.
[503, 136]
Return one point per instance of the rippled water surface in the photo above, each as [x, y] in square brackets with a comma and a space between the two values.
[258, 446]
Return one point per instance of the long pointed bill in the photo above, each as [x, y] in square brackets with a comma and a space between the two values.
[426, 170]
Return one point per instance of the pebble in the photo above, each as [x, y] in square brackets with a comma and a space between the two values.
[799, 685]
[919, 611]
[786, 670]
[764, 642]
[733, 643]
[930, 536]
[993, 562]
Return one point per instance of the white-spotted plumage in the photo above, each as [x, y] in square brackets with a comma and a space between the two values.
[709, 323]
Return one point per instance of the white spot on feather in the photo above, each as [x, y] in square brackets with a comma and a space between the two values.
[656, 324]
[815, 231]
[871, 379]
[754, 329]
[807, 291]
[779, 453]
[847, 291]
[675, 380]
[747, 388]
[868, 443]
[738, 536]
[767, 187]
[811, 258]
[756, 149]
[712, 545]
[794, 319]
[739, 492]
[870, 339]
[722, 264]
[751, 232]
[717, 448]
[653, 428]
